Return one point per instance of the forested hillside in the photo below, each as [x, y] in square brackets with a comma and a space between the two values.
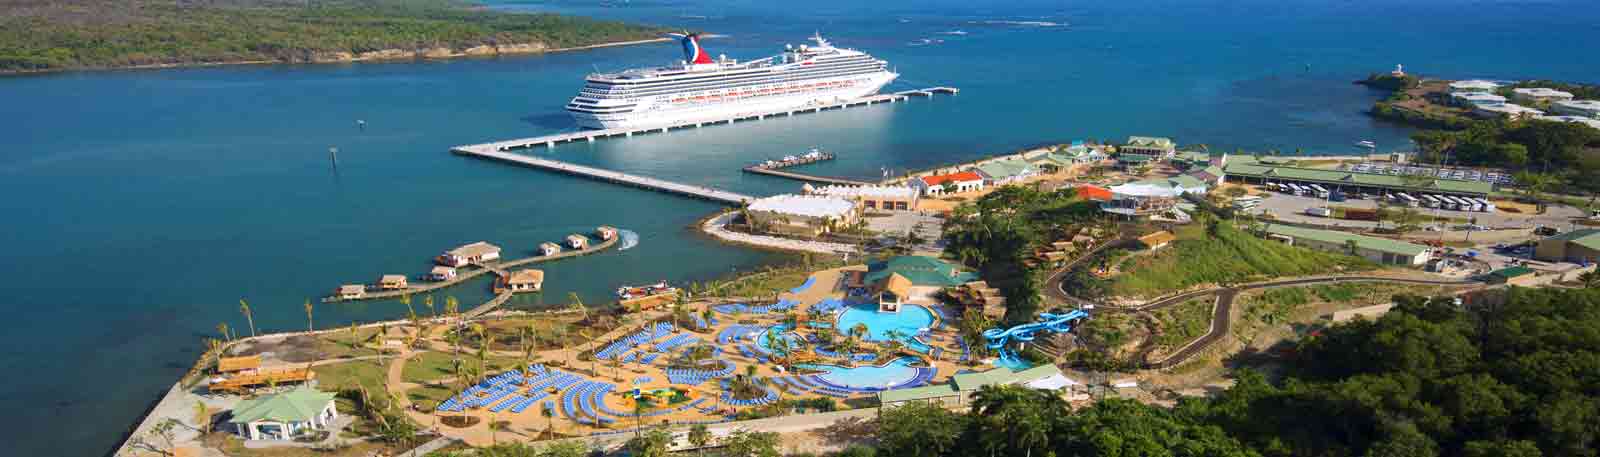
[42, 35]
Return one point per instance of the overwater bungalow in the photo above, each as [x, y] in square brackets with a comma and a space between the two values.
[529, 280]
[442, 273]
[351, 291]
[606, 232]
[577, 241]
[480, 251]
[549, 249]
[392, 282]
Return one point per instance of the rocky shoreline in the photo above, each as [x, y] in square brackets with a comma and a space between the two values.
[385, 55]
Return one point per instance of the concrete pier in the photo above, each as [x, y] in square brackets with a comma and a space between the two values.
[644, 182]
[805, 177]
[550, 141]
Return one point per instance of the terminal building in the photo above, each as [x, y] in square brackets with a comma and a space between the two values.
[808, 215]
[1379, 250]
[1577, 246]
[1247, 170]
[895, 198]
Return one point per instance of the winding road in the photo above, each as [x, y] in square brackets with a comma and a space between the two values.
[1055, 287]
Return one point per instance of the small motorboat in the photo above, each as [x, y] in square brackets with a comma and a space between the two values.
[630, 292]
[1367, 144]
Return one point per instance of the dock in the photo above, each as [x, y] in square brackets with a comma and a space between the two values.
[644, 182]
[809, 158]
[550, 141]
[805, 177]
[499, 268]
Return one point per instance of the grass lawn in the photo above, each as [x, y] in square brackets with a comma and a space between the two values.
[1182, 323]
[427, 397]
[767, 285]
[232, 446]
[1231, 256]
[340, 345]
[340, 376]
[431, 366]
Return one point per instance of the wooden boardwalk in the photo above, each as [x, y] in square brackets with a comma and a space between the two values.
[464, 275]
[701, 192]
[550, 141]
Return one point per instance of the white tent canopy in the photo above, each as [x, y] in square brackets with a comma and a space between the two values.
[1052, 382]
[1146, 190]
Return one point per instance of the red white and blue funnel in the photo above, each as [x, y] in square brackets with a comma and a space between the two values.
[692, 52]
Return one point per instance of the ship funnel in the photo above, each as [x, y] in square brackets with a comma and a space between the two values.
[692, 52]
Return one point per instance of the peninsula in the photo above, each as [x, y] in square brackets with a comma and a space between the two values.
[105, 34]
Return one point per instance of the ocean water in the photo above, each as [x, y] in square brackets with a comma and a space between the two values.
[142, 205]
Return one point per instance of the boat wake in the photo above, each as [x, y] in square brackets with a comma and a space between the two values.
[1027, 23]
[629, 239]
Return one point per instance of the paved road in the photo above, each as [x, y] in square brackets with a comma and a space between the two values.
[1055, 287]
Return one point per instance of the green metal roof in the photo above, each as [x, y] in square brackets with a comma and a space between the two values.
[1255, 170]
[917, 393]
[1589, 238]
[1194, 156]
[1362, 241]
[972, 381]
[1000, 169]
[1184, 181]
[1135, 158]
[1512, 272]
[921, 270]
[968, 382]
[297, 405]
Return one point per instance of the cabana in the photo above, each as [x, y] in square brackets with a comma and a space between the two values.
[577, 241]
[281, 416]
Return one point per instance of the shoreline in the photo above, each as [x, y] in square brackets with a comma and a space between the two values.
[392, 55]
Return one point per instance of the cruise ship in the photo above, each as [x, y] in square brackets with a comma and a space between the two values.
[702, 88]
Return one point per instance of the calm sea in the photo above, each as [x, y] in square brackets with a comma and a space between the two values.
[142, 205]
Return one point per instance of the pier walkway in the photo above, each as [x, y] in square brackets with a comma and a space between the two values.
[550, 141]
[464, 275]
[701, 192]
[805, 177]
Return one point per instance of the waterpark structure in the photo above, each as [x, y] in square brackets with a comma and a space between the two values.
[999, 338]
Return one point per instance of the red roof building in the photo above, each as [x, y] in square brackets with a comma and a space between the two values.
[936, 180]
[1094, 193]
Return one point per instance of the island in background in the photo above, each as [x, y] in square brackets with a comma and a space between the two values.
[44, 36]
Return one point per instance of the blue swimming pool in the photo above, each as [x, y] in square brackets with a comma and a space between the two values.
[893, 373]
[908, 321]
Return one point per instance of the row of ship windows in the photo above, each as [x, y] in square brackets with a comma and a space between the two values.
[744, 86]
[746, 81]
[628, 108]
[719, 78]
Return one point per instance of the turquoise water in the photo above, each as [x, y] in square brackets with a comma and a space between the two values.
[144, 204]
[892, 373]
[908, 321]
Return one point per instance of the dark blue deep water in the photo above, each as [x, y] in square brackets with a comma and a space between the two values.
[141, 205]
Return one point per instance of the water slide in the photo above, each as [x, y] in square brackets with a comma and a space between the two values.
[999, 338]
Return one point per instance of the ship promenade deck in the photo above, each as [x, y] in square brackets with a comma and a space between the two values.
[550, 141]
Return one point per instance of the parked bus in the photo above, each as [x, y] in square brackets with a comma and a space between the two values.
[1321, 192]
[1409, 200]
[1487, 207]
[1430, 201]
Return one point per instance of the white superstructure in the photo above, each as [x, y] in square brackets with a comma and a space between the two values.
[700, 87]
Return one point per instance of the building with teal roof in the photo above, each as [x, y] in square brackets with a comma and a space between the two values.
[283, 415]
[923, 271]
[959, 390]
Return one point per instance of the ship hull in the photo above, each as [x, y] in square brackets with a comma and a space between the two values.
[665, 111]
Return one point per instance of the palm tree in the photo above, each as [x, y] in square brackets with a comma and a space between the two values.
[1352, 247]
[428, 302]
[451, 305]
[699, 437]
[577, 304]
[1590, 279]
[204, 415]
[527, 349]
[244, 307]
[640, 405]
[223, 329]
[309, 327]
[859, 330]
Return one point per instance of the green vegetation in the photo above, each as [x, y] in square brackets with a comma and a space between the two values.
[1219, 253]
[1513, 379]
[339, 377]
[1578, 91]
[105, 34]
[1390, 82]
[996, 232]
[1183, 322]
